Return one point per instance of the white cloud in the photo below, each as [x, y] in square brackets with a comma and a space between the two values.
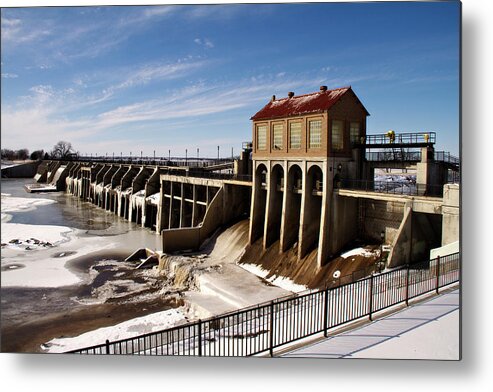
[48, 114]
[17, 32]
[9, 75]
[204, 42]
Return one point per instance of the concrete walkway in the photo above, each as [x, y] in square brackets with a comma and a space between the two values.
[425, 330]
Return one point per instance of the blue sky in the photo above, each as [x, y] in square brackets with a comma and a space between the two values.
[159, 78]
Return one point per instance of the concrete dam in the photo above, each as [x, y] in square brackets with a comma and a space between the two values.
[186, 208]
[306, 183]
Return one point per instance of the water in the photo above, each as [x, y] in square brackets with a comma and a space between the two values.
[72, 212]
[110, 290]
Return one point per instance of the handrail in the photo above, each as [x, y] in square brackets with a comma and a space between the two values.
[270, 325]
[395, 187]
[402, 138]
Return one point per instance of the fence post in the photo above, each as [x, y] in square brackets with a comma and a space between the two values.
[271, 348]
[107, 346]
[371, 296]
[200, 337]
[438, 274]
[407, 286]
[326, 311]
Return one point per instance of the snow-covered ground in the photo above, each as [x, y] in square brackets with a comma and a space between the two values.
[131, 328]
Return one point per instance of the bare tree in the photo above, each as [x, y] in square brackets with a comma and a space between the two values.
[62, 150]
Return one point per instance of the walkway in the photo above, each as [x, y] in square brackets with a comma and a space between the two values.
[425, 330]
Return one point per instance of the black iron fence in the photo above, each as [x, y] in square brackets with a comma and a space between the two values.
[267, 326]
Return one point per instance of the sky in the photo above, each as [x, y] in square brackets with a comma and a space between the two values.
[177, 78]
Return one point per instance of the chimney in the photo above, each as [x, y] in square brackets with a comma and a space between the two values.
[323, 88]
[273, 98]
[290, 94]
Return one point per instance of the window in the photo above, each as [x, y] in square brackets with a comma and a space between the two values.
[262, 137]
[315, 138]
[277, 132]
[337, 135]
[295, 135]
[354, 132]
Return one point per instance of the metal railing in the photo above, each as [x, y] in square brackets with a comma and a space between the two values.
[411, 156]
[267, 326]
[418, 138]
[220, 176]
[444, 156]
[388, 156]
[409, 188]
[160, 161]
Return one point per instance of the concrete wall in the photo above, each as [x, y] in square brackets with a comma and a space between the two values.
[400, 253]
[25, 170]
[380, 216]
[451, 214]
[417, 235]
[344, 223]
[176, 239]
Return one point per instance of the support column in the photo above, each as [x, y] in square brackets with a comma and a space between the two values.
[273, 214]
[194, 204]
[171, 204]
[326, 226]
[182, 205]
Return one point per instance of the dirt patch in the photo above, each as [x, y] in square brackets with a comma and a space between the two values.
[28, 337]
[306, 272]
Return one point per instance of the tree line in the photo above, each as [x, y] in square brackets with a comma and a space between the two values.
[59, 151]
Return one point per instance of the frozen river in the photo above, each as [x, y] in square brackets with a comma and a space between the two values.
[63, 270]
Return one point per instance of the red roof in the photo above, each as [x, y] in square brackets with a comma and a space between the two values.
[301, 104]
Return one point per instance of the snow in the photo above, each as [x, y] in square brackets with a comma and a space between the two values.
[154, 199]
[127, 329]
[32, 248]
[33, 236]
[280, 281]
[140, 193]
[16, 204]
[356, 252]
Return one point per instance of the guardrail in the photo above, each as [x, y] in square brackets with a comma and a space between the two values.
[418, 138]
[394, 187]
[386, 156]
[162, 161]
[267, 326]
[410, 156]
